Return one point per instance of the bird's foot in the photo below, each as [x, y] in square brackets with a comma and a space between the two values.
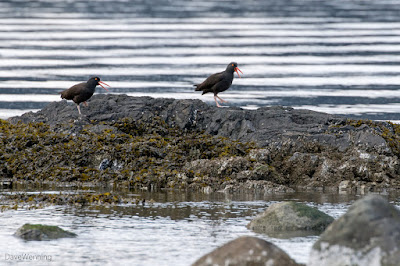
[222, 100]
[86, 104]
[215, 99]
[79, 109]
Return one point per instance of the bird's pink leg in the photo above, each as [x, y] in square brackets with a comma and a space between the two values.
[79, 109]
[223, 101]
[86, 104]
[216, 101]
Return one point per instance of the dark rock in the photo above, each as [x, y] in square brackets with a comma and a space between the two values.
[264, 125]
[368, 234]
[136, 154]
[245, 251]
[106, 163]
[290, 219]
[41, 232]
[299, 147]
[239, 175]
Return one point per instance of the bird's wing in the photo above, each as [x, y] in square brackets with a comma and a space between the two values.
[70, 93]
[209, 82]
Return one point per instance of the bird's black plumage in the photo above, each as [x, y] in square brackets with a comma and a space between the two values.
[219, 82]
[82, 92]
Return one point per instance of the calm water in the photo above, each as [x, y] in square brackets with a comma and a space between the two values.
[340, 56]
[176, 229]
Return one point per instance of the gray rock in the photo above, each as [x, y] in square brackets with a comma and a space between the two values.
[246, 251]
[299, 147]
[368, 234]
[263, 125]
[257, 187]
[41, 232]
[290, 219]
[238, 174]
[105, 163]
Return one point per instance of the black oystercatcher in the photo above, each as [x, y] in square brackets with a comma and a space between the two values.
[219, 82]
[83, 91]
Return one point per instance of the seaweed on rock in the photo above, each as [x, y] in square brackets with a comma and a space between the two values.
[144, 142]
[125, 153]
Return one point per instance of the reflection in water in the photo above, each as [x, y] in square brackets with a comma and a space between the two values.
[175, 229]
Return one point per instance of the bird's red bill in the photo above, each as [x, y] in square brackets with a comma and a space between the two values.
[237, 71]
[101, 82]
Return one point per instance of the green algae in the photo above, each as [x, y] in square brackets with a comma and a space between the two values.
[42, 232]
[149, 154]
[41, 227]
[127, 152]
[290, 218]
[303, 210]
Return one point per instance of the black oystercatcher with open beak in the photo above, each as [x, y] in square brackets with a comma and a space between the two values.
[82, 92]
[219, 82]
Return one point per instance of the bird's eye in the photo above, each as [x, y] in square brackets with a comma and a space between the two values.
[95, 79]
[232, 65]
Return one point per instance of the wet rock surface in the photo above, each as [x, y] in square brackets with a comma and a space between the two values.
[168, 143]
[264, 125]
[290, 219]
[28, 201]
[134, 154]
[368, 234]
[41, 232]
[246, 251]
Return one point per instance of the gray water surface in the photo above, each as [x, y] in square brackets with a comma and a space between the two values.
[340, 57]
[177, 229]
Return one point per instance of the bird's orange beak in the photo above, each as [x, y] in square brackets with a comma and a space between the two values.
[237, 71]
[101, 82]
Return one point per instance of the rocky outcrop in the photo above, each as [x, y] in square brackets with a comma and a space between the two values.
[291, 147]
[126, 153]
[368, 234]
[290, 219]
[264, 125]
[42, 232]
[246, 251]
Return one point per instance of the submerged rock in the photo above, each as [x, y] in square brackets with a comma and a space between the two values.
[368, 234]
[290, 219]
[42, 232]
[245, 251]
